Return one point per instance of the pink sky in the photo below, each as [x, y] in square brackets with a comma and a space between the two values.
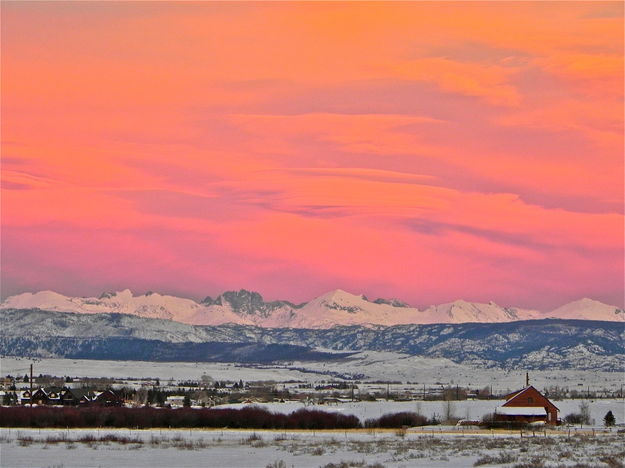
[425, 151]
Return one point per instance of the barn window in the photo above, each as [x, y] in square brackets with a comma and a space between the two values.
[530, 400]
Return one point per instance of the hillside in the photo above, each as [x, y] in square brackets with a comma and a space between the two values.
[533, 344]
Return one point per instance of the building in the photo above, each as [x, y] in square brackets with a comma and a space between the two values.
[175, 401]
[43, 396]
[76, 396]
[6, 383]
[70, 397]
[23, 398]
[527, 405]
[107, 398]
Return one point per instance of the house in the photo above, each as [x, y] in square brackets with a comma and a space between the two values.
[107, 398]
[54, 395]
[24, 397]
[175, 401]
[40, 397]
[43, 396]
[527, 405]
[76, 396]
[6, 382]
[70, 397]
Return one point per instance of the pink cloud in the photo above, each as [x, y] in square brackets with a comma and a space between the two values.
[394, 149]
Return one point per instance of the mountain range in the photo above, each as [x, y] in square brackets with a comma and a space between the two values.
[531, 344]
[335, 308]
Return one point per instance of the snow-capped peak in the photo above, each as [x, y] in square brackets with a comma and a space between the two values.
[588, 309]
[43, 299]
[337, 307]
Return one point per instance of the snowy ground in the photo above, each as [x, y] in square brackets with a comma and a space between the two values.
[369, 365]
[242, 449]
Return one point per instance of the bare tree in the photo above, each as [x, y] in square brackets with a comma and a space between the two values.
[448, 411]
[584, 411]
[141, 397]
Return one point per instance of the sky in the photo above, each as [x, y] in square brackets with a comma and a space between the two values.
[424, 151]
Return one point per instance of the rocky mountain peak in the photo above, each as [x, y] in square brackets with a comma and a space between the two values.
[336, 307]
[392, 302]
[244, 302]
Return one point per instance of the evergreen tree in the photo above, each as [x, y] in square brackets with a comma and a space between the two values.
[26, 379]
[609, 419]
[7, 400]
[186, 402]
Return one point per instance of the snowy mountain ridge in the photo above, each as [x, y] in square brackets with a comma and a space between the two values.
[531, 344]
[334, 308]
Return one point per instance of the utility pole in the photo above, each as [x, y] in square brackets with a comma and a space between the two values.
[31, 385]
[387, 391]
[527, 379]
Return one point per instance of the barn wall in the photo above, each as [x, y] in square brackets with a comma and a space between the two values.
[532, 397]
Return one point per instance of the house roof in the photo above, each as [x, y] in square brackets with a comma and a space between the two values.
[521, 411]
[106, 394]
[511, 396]
[80, 392]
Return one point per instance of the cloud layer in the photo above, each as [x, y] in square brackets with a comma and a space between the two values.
[427, 151]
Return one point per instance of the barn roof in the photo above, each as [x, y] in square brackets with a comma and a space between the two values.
[509, 396]
[514, 395]
[521, 411]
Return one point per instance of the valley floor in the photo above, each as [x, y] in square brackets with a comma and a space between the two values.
[366, 366]
[447, 447]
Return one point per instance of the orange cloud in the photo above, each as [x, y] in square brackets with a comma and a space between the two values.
[472, 79]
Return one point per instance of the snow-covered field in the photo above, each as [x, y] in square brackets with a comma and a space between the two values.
[280, 449]
[373, 365]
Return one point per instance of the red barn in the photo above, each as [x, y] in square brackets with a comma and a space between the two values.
[527, 405]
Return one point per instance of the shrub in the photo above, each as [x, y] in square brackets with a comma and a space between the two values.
[495, 460]
[143, 418]
[489, 422]
[609, 419]
[612, 462]
[397, 420]
[573, 418]
[277, 464]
